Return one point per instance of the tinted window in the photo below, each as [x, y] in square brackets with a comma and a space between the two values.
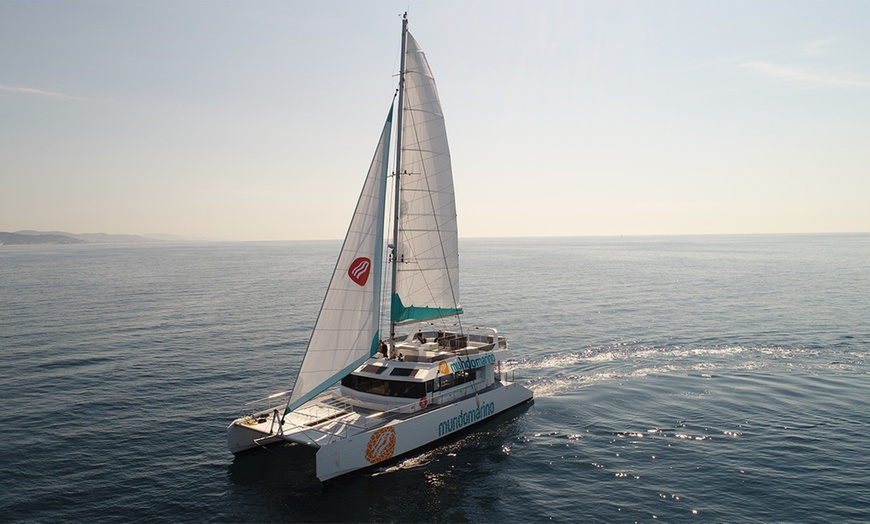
[388, 388]
[455, 379]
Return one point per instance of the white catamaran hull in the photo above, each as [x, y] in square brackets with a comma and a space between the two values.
[339, 455]
[400, 437]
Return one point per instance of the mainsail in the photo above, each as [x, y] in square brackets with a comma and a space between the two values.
[346, 332]
[427, 247]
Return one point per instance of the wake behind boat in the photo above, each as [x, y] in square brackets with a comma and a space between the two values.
[361, 398]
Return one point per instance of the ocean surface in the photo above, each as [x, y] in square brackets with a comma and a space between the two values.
[677, 379]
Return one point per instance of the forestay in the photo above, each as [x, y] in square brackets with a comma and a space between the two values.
[346, 332]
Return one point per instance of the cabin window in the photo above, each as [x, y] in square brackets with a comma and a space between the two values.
[465, 376]
[456, 379]
[403, 372]
[371, 368]
[387, 388]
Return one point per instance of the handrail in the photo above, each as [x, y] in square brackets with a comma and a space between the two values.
[371, 422]
[265, 403]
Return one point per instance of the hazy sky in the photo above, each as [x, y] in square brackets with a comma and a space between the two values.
[257, 120]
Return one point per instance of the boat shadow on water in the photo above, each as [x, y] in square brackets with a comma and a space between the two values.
[280, 463]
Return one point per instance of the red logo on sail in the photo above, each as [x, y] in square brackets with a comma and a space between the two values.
[359, 270]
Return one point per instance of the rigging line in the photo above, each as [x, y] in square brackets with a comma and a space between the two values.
[291, 398]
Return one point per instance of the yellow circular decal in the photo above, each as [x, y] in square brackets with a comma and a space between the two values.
[382, 444]
[443, 368]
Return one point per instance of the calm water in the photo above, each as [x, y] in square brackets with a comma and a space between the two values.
[703, 379]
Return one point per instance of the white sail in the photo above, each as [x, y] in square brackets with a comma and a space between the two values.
[346, 332]
[427, 248]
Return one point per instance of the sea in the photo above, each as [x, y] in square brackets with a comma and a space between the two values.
[676, 379]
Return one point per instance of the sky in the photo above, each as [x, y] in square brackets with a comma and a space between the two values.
[257, 120]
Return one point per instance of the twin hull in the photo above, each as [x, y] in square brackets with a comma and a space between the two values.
[364, 449]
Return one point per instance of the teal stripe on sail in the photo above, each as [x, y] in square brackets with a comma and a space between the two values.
[328, 383]
[376, 344]
[376, 341]
[401, 313]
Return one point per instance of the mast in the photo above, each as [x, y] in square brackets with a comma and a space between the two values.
[397, 182]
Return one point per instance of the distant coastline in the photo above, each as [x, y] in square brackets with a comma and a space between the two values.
[32, 238]
[27, 237]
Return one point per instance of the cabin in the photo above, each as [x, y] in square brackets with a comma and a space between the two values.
[444, 367]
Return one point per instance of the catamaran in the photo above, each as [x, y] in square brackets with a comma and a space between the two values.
[361, 398]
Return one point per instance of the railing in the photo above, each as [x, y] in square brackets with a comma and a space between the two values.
[367, 422]
[266, 404]
[454, 340]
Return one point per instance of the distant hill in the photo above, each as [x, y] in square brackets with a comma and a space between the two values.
[62, 237]
[17, 239]
[179, 238]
